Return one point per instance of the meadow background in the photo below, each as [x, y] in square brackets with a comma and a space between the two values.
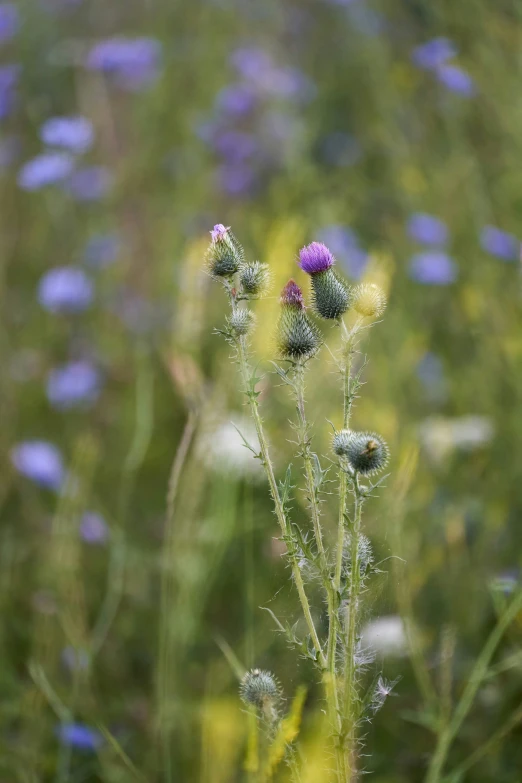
[137, 539]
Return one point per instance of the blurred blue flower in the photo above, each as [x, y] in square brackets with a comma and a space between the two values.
[9, 21]
[344, 244]
[365, 19]
[257, 67]
[430, 372]
[434, 53]
[75, 134]
[65, 289]
[8, 80]
[456, 80]
[93, 528]
[79, 736]
[133, 63]
[251, 62]
[39, 461]
[339, 149]
[102, 250]
[75, 384]
[75, 659]
[236, 100]
[427, 229]
[90, 183]
[235, 146]
[433, 267]
[48, 168]
[236, 179]
[500, 243]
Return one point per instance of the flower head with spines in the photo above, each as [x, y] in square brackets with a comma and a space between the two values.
[331, 295]
[297, 336]
[225, 254]
[366, 452]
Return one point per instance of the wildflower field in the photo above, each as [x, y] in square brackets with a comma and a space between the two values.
[261, 391]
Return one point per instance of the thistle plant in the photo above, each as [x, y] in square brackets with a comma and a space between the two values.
[343, 563]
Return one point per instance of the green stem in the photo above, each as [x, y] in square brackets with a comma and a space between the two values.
[246, 376]
[476, 679]
[350, 691]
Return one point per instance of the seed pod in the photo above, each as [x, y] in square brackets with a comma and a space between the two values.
[261, 689]
[225, 254]
[366, 452]
[241, 322]
[297, 336]
[368, 300]
[331, 295]
[254, 278]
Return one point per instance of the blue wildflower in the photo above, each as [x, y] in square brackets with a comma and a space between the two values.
[456, 80]
[65, 289]
[90, 183]
[9, 21]
[236, 178]
[46, 169]
[236, 100]
[433, 267]
[500, 243]
[235, 146]
[74, 384]
[39, 461]
[434, 53]
[133, 63]
[75, 134]
[79, 736]
[93, 528]
[427, 229]
[102, 250]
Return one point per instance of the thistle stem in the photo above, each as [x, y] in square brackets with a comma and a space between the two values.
[246, 376]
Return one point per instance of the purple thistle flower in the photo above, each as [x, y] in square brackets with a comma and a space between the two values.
[132, 62]
[315, 258]
[39, 461]
[65, 289]
[219, 232]
[75, 384]
[434, 53]
[433, 268]
[46, 169]
[8, 80]
[89, 184]
[500, 243]
[456, 80]
[427, 229]
[75, 134]
[102, 250]
[79, 736]
[9, 21]
[93, 528]
[292, 295]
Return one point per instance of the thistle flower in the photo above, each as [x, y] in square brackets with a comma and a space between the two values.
[262, 690]
[331, 296]
[254, 278]
[297, 336]
[368, 300]
[241, 322]
[225, 254]
[366, 452]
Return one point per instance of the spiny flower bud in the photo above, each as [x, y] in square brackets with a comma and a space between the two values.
[254, 278]
[366, 452]
[261, 689]
[297, 336]
[368, 300]
[331, 296]
[225, 254]
[241, 321]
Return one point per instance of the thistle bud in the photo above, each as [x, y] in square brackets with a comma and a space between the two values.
[366, 452]
[369, 300]
[254, 278]
[297, 336]
[241, 322]
[331, 295]
[260, 689]
[225, 254]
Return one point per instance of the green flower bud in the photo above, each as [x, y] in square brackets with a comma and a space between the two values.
[241, 322]
[254, 278]
[366, 452]
[261, 689]
[369, 300]
[297, 336]
[331, 295]
[225, 254]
